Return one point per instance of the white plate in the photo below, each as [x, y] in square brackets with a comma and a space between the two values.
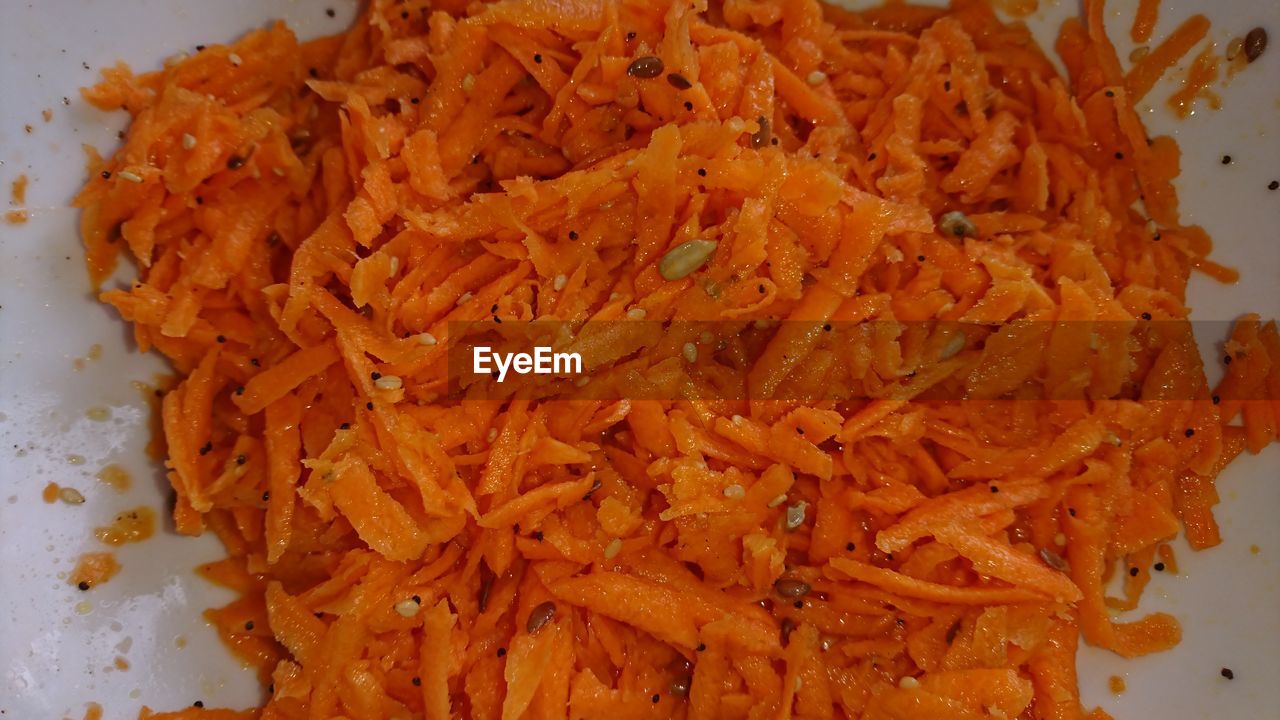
[57, 645]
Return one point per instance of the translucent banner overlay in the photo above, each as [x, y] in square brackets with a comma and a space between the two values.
[801, 361]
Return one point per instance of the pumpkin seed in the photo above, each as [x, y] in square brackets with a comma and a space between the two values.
[681, 260]
[1054, 560]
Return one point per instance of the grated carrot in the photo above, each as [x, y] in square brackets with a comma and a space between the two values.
[316, 227]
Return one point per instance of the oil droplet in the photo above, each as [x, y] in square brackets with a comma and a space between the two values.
[180, 642]
[84, 607]
[115, 476]
[121, 663]
[95, 352]
[98, 414]
[50, 493]
[75, 459]
[129, 526]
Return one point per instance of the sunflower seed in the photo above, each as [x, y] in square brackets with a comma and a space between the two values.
[539, 616]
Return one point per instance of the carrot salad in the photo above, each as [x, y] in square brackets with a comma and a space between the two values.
[308, 222]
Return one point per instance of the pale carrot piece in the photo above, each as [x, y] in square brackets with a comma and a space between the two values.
[1147, 71]
[911, 587]
[273, 383]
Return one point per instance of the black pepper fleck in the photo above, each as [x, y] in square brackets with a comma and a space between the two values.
[1159, 567]
[1228, 673]
[1226, 159]
[417, 682]
[83, 585]
[1133, 572]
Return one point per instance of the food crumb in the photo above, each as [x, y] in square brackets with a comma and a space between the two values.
[115, 476]
[93, 569]
[16, 217]
[18, 190]
[50, 493]
[46, 114]
[1116, 684]
[1254, 549]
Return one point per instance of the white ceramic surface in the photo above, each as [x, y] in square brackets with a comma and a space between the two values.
[58, 646]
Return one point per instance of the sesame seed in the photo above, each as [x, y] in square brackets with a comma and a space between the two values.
[188, 141]
[817, 77]
[778, 500]
[690, 352]
[735, 492]
[493, 434]
[559, 282]
[463, 298]
[409, 607]
[468, 83]
[388, 382]
[70, 496]
[234, 59]
[613, 548]
[129, 175]
[426, 338]
[636, 313]
[907, 683]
